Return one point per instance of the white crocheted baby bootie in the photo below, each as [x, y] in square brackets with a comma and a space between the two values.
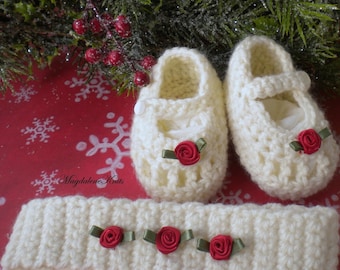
[179, 131]
[279, 133]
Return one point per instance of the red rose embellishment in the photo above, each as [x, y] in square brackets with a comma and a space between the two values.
[309, 141]
[221, 247]
[187, 152]
[111, 237]
[168, 239]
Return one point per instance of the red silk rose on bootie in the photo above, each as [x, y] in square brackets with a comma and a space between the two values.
[309, 141]
[187, 152]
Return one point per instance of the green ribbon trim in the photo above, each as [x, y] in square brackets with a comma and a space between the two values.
[168, 154]
[200, 143]
[238, 245]
[150, 236]
[324, 133]
[96, 231]
[187, 235]
[204, 245]
[127, 236]
[296, 146]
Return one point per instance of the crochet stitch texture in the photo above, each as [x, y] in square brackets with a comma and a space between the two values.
[53, 233]
[184, 101]
[268, 106]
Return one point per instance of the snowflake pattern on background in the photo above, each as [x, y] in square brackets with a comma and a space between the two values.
[231, 197]
[23, 95]
[123, 138]
[96, 85]
[46, 182]
[40, 130]
[2, 201]
[332, 200]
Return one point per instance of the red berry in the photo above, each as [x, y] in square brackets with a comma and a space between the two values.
[122, 26]
[114, 58]
[108, 20]
[148, 62]
[121, 18]
[95, 26]
[92, 55]
[141, 78]
[79, 26]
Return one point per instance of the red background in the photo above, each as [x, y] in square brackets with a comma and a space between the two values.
[86, 136]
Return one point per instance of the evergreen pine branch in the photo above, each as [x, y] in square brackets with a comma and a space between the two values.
[37, 31]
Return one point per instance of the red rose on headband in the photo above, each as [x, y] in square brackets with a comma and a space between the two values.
[111, 237]
[168, 239]
[221, 247]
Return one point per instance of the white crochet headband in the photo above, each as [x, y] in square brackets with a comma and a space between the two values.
[53, 233]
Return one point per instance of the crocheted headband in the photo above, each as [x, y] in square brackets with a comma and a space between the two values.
[53, 233]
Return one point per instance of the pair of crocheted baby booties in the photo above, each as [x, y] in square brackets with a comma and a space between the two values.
[179, 137]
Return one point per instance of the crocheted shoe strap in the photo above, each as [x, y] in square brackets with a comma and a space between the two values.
[165, 108]
[269, 86]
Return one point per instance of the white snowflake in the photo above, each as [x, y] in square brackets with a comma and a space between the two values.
[2, 201]
[330, 201]
[24, 94]
[232, 197]
[120, 145]
[40, 130]
[96, 85]
[46, 182]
